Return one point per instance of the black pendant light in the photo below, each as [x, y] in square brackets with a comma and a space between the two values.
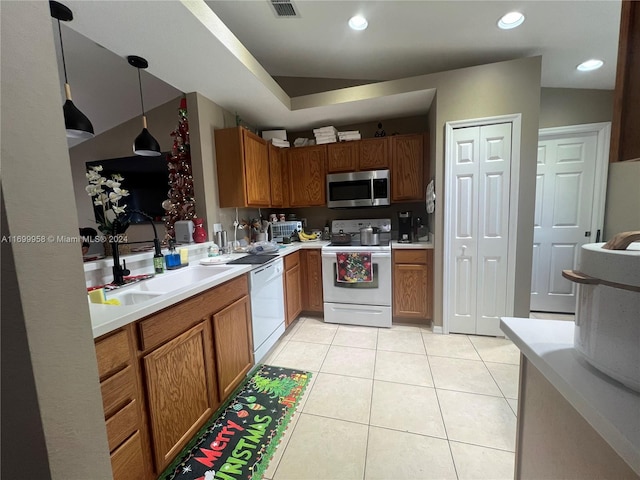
[145, 144]
[76, 122]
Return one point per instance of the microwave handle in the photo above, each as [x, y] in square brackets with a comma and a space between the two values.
[372, 192]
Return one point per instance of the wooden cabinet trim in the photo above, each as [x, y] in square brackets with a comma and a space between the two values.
[127, 462]
[118, 390]
[312, 295]
[112, 353]
[410, 256]
[165, 325]
[291, 260]
[122, 424]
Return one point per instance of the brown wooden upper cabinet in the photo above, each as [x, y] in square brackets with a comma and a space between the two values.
[367, 154]
[408, 167]
[278, 178]
[307, 175]
[242, 160]
[625, 127]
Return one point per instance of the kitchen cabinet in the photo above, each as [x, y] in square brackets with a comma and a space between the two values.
[292, 287]
[122, 404]
[312, 298]
[408, 172]
[243, 167]
[357, 155]
[181, 392]
[307, 176]
[342, 157]
[233, 345]
[278, 176]
[375, 153]
[413, 283]
[625, 141]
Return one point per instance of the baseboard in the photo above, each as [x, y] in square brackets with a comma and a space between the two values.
[437, 329]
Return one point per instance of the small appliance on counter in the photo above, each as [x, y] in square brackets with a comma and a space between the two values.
[405, 227]
[184, 231]
[280, 230]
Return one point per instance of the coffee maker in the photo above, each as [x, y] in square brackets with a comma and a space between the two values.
[405, 227]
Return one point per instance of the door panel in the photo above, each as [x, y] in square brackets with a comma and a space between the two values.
[564, 203]
[480, 184]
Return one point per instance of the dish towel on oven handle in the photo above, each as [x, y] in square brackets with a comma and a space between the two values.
[354, 267]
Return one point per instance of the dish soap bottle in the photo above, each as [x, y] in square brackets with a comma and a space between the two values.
[173, 258]
[158, 258]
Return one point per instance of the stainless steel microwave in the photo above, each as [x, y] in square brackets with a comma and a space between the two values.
[358, 189]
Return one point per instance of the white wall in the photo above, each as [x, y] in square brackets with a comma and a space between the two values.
[622, 212]
[48, 307]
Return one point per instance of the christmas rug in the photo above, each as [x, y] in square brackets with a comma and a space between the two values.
[240, 438]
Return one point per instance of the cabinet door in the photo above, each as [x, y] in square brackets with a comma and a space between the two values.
[181, 394]
[127, 461]
[307, 176]
[313, 300]
[233, 345]
[293, 293]
[256, 157]
[375, 153]
[409, 290]
[342, 157]
[407, 171]
[275, 173]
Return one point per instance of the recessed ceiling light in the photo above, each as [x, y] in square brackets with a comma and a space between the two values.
[358, 22]
[589, 65]
[511, 20]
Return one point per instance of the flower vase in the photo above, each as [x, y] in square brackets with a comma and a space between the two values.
[199, 232]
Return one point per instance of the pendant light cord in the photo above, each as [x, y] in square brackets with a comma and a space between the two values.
[64, 64]
[140, 85]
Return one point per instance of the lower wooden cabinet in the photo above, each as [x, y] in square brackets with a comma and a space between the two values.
[292, 287]
[413, 284]
[233, 345]
[163, 376]
[312, 297]
[122, 404]
[181, 393]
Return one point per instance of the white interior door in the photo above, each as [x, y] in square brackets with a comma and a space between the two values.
[562, 224]
[479, 182]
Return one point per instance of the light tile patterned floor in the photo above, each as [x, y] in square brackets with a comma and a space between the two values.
[399, 403]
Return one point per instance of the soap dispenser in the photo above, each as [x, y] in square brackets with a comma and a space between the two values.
[173, 258]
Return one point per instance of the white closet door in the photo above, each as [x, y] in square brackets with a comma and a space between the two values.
[564, 203]
[493, 226]
[479, 185]
[463, 201]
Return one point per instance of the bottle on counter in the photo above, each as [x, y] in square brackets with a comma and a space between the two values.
[158, 258]
[172, 259]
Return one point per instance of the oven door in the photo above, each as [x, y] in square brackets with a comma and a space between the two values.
[376, 292]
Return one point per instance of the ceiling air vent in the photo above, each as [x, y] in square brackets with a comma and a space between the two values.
[284, 8]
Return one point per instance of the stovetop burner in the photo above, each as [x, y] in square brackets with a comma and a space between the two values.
[356, 243]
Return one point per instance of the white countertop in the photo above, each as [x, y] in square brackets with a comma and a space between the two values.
[106, 318]
[609, 407]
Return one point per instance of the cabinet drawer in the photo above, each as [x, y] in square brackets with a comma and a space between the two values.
[410, 256]
[118, 390]
[291, 260]
[127, 462]
[169, 323]
[122, 424]
[112, 353]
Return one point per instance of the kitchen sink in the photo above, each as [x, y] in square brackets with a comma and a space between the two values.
[134, 297]
[177, 279]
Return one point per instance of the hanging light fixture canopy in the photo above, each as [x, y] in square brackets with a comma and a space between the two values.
[76, 123]
[144, 144]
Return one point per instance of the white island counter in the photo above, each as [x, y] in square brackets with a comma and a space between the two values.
[573, 421]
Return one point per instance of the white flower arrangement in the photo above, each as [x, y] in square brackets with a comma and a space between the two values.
[107, 195]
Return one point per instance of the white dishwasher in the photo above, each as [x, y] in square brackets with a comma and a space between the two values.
[267, 306]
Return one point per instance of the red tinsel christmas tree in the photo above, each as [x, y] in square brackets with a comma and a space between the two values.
[180, 204]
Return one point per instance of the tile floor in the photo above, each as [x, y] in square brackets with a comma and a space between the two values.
[399, 403]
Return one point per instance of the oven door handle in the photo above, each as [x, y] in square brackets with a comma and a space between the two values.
[373, 200]
[346, 250]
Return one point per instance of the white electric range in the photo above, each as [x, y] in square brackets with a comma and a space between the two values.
[362, 294]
